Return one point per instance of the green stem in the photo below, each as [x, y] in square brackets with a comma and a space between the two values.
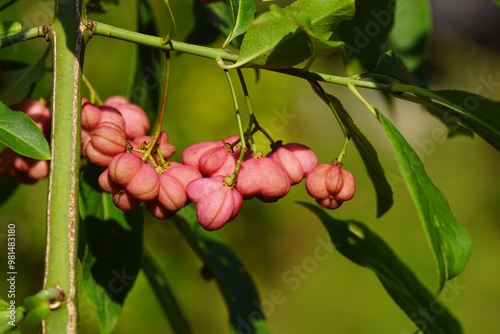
[156, 134]
[360, 97]
[67, 38]
[24, 36]
[324, 96]
[102, 29]
[240, 126]
[93, 94]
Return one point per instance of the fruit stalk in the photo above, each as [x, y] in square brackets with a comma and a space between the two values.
[66, 36]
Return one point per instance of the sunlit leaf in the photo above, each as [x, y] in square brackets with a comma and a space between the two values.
[235, 284]
[19, 132]
[243, 13]
[359, 244]
[9, 28]
[283, 38]
[113, 249]
[450, 243]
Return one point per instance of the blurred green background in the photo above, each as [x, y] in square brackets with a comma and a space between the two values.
[331, 294]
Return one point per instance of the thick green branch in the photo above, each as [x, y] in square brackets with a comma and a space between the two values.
[66, 35]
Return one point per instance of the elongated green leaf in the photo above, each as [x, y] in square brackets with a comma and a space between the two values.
[370, 159]
[234, 282]
[365, 33]
[476, 112]
[450, 243]
[461, 111]
[9, 28]
[165, 296]
[113, 250]
[147, 75]
[19, 132]
[277, 39]
[390, 67]
[362, 246]
[410, 32]
[20, 77]
[243, 13]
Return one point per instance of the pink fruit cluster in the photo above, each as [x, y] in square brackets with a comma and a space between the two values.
[268, 178]
[27, 170]
[114, 136]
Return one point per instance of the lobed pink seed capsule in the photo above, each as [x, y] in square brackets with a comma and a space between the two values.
[216, 204]
[173, 183]
[123, 168]
[349, 187]
[125, 201]
[167, 149]
[217, 161]
[297, 160]
[191, 155]
[110, 114]
[91, 116]
[116, 99]
[106, 141]
[107, 184]
[136, 120]
[145, 185]
[324, 181]
[157, 210]
[263, 178]
[330, 185]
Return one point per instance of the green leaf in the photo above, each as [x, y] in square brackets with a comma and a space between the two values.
[146, 72]
[390, 67]
[235, 284]
[476, 112]
[365, 33]
[19, 132]
[165, 296]
[370, 159]
[282, 38]
[243, 13]
[20, 77]
[9, 28]
[450, 243]
[210, 21]
[362, 246]
[410, 32]
[113, 250]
